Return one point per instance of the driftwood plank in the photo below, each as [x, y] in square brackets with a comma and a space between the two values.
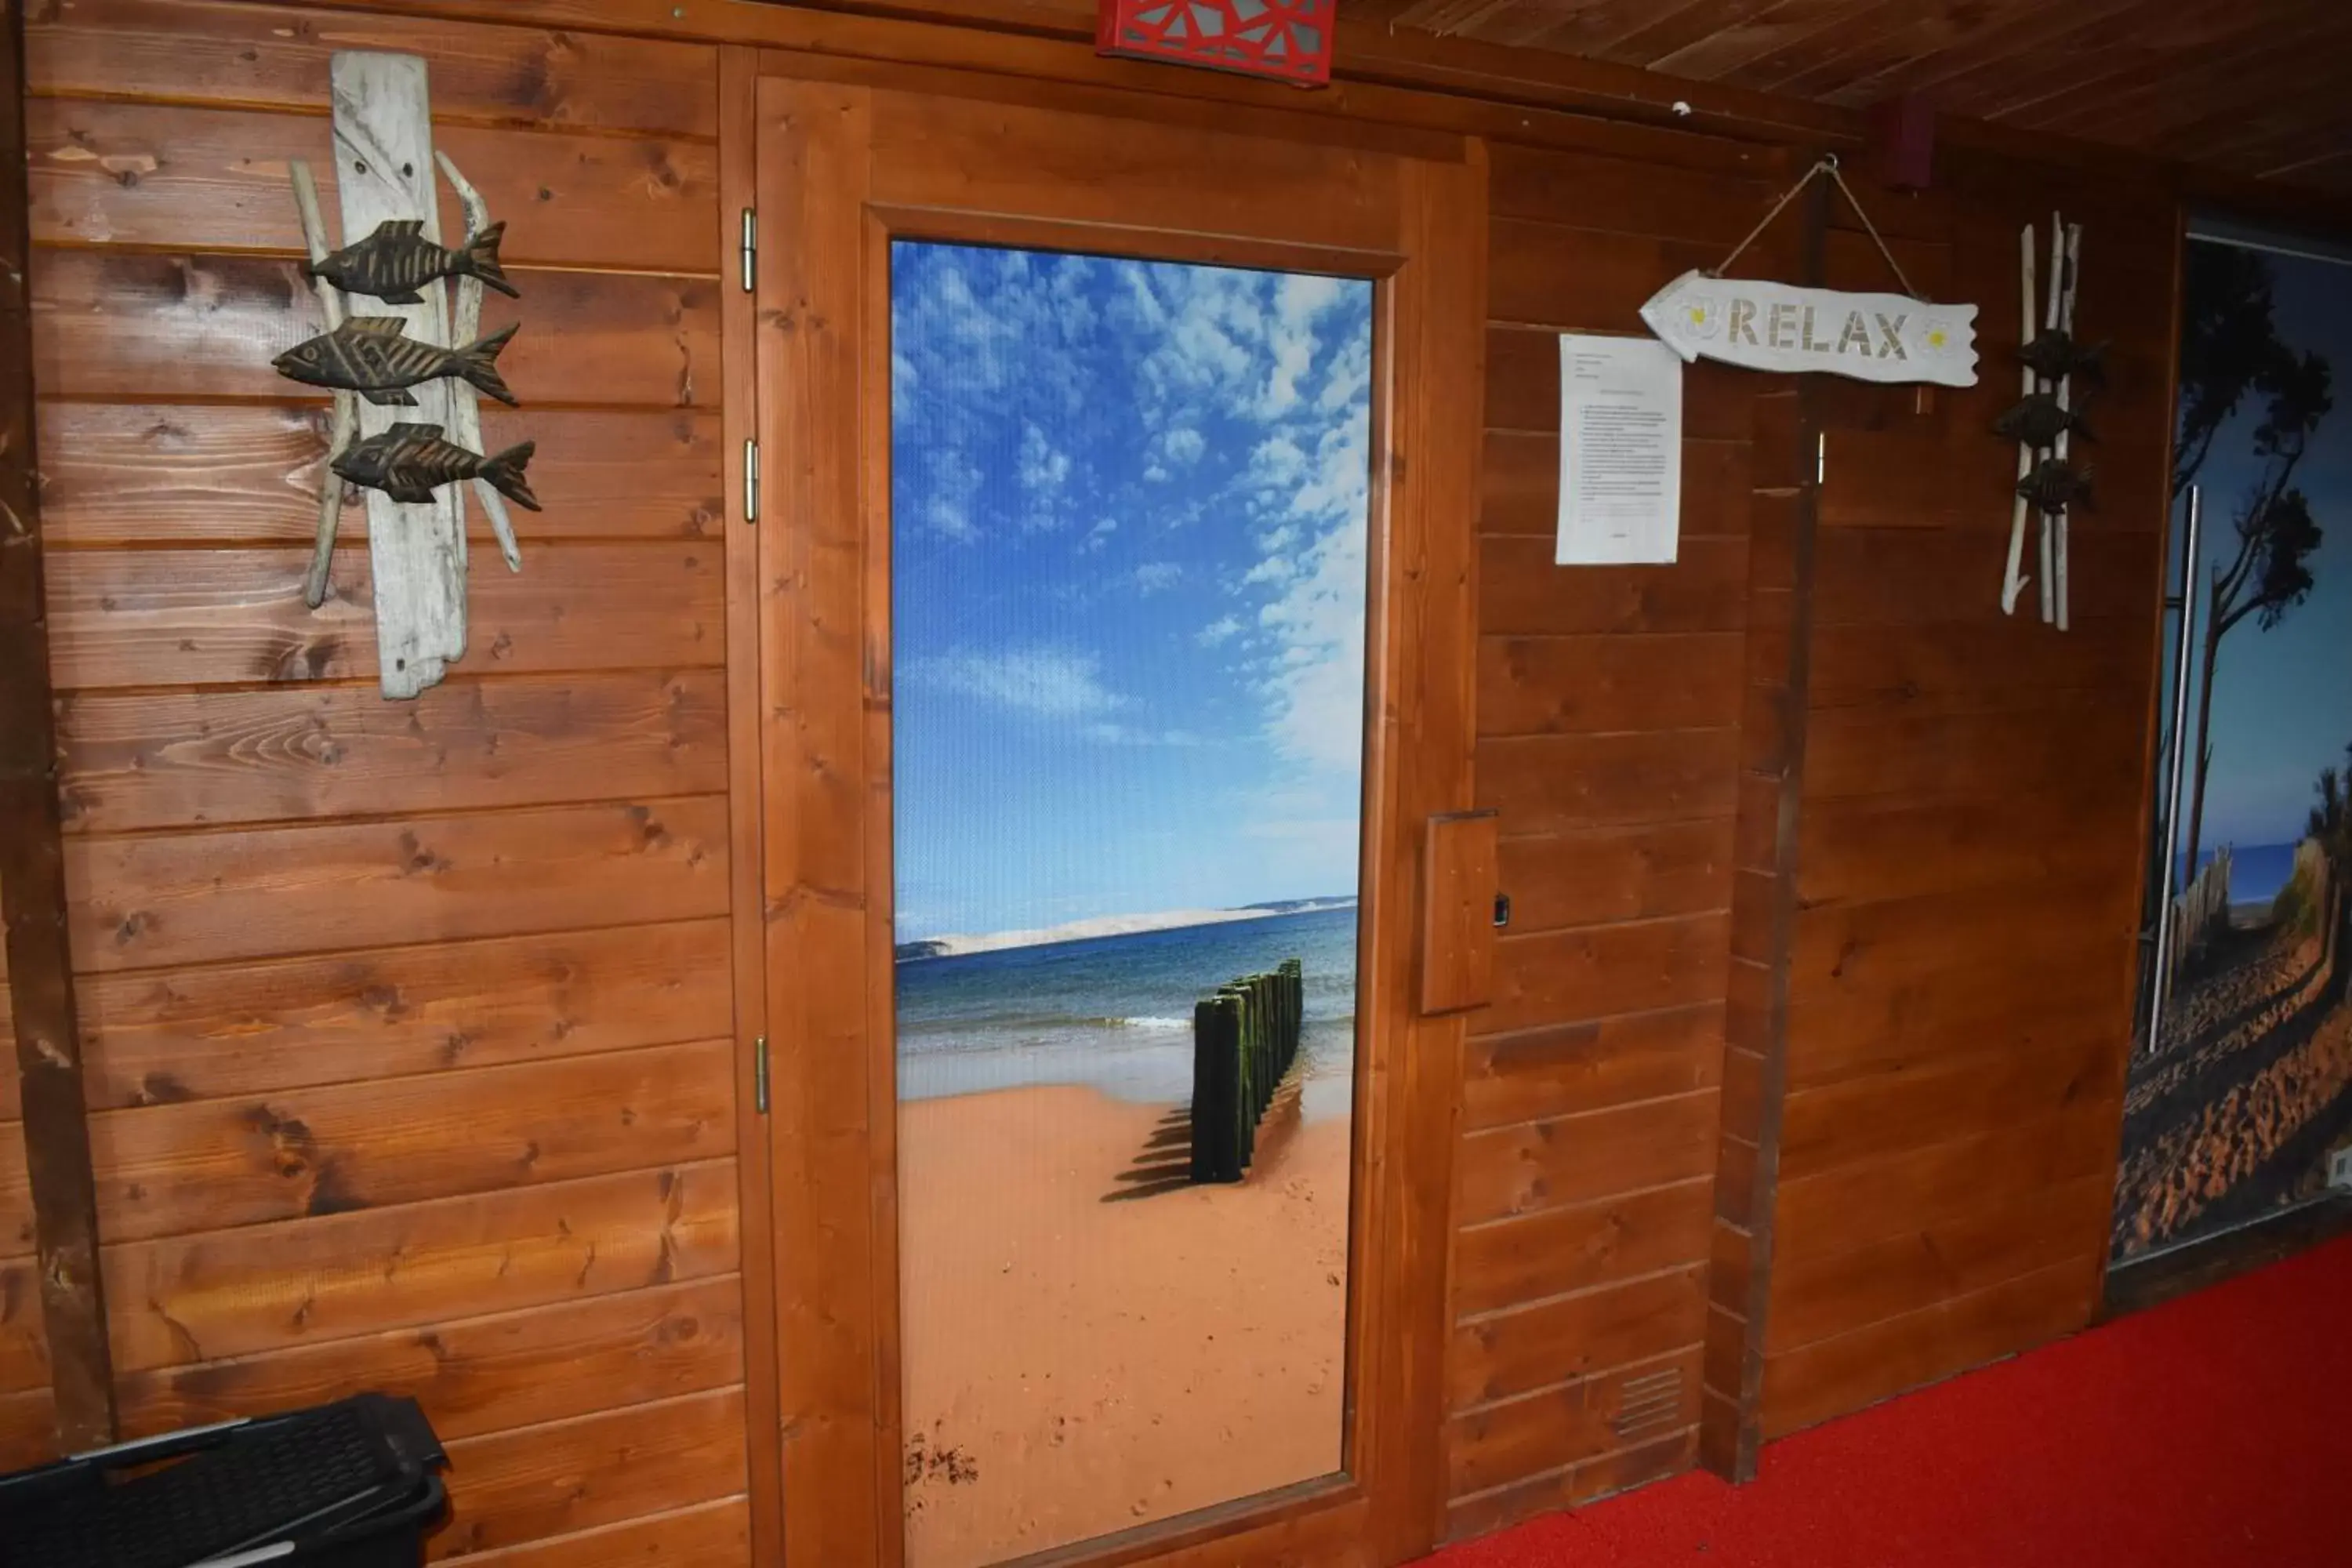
[213, 616]
[154, 327]
[169, 1169]
[196, 756]
[153, 902]
[416, 550]
[477, 1375]
[232, 54]
[266, 1288]
[216, 180]
[192, 474]
[157, 1037]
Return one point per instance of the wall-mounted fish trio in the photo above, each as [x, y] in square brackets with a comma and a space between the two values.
[2047, 417]
[417, 347]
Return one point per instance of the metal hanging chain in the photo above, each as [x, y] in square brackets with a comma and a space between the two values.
[1828, 164]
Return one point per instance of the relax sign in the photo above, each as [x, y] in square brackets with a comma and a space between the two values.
[1779, 326]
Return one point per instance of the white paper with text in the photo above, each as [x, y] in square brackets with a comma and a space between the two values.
[1620, 443]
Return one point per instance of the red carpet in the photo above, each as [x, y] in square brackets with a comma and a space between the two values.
[2211, 1432]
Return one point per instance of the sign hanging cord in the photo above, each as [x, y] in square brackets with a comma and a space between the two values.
[1827, 164]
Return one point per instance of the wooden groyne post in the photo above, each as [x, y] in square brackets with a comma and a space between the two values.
[1245, 1041]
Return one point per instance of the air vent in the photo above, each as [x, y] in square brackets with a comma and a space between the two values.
[1650, 1404]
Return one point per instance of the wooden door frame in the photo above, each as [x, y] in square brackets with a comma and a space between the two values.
[827, 223]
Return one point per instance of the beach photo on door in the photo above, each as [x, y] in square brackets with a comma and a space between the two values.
[1128, 592]
[2240, 1103]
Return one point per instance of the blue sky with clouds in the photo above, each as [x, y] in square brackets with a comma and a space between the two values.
[1130, 519]
[2282, 697]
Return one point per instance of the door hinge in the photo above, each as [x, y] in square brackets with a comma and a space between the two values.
[750, 481]
[751, 249]
[759, 1075]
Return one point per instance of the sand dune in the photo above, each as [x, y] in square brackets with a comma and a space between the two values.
[955, 946]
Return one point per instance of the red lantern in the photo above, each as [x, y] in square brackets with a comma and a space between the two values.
[1289, 41]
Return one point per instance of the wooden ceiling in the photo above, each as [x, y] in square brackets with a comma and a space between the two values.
[2253, 87]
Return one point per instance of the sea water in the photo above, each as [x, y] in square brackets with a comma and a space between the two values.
[1116, 1011]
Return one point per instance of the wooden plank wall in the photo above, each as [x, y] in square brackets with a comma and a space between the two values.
[1609, 711]
[27, 1424]
[409, 1026]
[1968, 853]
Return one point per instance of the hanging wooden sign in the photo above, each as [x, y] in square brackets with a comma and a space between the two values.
[1774, 326]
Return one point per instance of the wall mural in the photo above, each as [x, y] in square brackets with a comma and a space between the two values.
[2237, 1103]
[1129, 563]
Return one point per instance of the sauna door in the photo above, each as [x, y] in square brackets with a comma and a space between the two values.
[995, 341]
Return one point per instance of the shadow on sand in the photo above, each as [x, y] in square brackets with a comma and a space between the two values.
[1164, 1163]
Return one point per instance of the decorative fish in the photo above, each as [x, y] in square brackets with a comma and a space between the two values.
[2039, 420]
[376, 357]
[397, 260]
[2054, 355]
[408, 462]
[2051, 487]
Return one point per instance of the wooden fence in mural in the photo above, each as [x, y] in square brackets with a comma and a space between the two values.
[2203, 906]
[1244, 1040]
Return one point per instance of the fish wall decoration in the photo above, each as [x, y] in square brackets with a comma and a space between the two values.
[407, 368]
[376, 357]
[397, 260]
[409, 462]
[2046, 416]
[2039, 419]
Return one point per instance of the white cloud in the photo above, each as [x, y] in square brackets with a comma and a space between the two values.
[1098, 536]
[1183, 445]
[1223, 630]
[1041, 467]
[1050, 683]
[1157, 576]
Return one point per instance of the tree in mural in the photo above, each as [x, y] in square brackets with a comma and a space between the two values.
[2230, 351]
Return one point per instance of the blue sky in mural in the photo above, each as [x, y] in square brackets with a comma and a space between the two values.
[1128, 585]
[2282, 697]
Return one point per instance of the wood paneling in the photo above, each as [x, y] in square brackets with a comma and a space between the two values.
[1609, 710]
[230, 1294]
[236, 615]
[1969, 859]
[149, 901]
[232, 474]
[185, 757]
[211, 52]
[412, 1030]
[621, 1464]
[162, 1036]
[164, 326]
[216, 1164]
[214, 179]
[476, 1375]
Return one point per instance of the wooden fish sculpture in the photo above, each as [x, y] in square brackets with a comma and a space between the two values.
[2051, 487]
[397, 260]
[408, 462]
[2039, 421]
[375, 356]
[2054, 354]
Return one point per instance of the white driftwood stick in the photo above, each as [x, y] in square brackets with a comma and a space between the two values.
[466, 404]
[346, 420]
[2048, 531]
[383, 170]
[2011, 583]
[2065, 521]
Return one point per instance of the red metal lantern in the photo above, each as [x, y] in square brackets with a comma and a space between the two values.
[1289, 41]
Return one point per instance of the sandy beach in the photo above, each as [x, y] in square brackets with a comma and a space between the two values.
[1091, 1342]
